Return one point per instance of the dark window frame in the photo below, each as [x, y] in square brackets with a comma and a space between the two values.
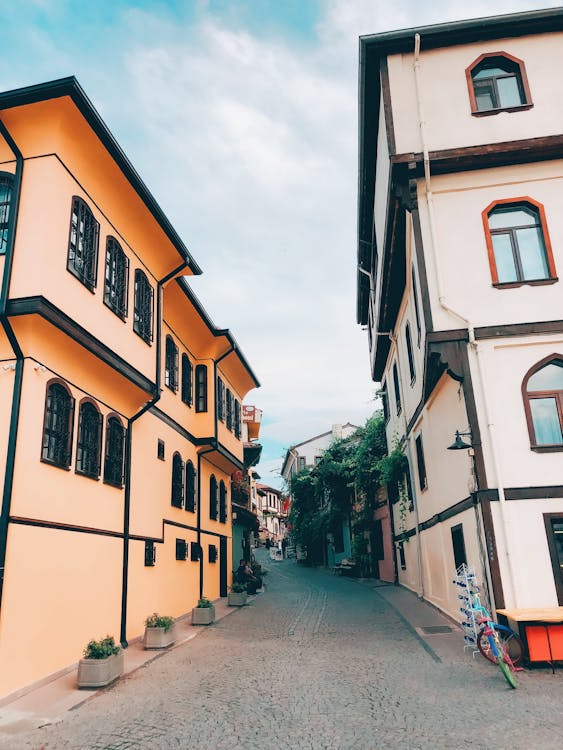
[58, 428]
[558, 395]
[187, 380]
[6, 187]
[522, 202]
[212, 553]
[116, 279]
[222, 502]
[143, 315]
[549, 520]
[201, 388]
[385, 402]
[397, 389]
[416, 308]
[114, 454]
[410, 354]
[220, 399]
[190, 488]
[150, 553]
[458, 545]
[83, 244]
[160, 450]
[421, 463]
[89, 440]
[229, 414]
[213, 498]
[171, 364]
[491, 60]
[181, 550]
[177, 485]
[237, 425]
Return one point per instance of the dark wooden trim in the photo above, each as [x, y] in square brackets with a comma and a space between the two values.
[503, 153]
[533, 493]
[387, 106]
[534, 282]
[451, 512]
[492, 552]
[64, 527]
[49, 312]
[472, 418]
[519, 329]
[177, 427]
[557, 572]
[523, 78]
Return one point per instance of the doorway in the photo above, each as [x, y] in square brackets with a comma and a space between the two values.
[223, 566]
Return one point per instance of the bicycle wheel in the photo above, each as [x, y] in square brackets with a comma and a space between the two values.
[510, 642]
[507, 672]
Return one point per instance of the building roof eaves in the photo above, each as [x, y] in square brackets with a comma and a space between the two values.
[70, 87]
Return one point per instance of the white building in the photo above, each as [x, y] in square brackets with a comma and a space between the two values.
[309, 452]
[460, 248]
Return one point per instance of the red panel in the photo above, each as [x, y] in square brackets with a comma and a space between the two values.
[556, 640]
[538, 644]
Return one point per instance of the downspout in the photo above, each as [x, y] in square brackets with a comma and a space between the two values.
[128, 448]
[470, 327]
[199, 455]
[11, 336]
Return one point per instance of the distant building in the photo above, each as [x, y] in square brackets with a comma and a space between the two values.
[271, 512]
[460, 254]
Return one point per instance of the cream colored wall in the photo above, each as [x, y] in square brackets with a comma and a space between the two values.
[43, 234]
[445, 96]
[61, 590]
[529, 553]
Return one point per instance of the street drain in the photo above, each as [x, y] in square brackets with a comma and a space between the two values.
[436, 629]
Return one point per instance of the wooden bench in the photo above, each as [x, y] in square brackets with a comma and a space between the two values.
[344, 568]
[540, 629]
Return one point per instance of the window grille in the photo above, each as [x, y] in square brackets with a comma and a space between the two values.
[212, 553]
[116, 282]
[144, 297]
[115, 451]
[191, 491]
[229, 419]
[195, 552]
[82, 259]
[171, 364]
[181, 549]
[220, 400]
[222, 502]
[201, 388]
[150, 554]
[187, 378]
[58, 426]
[177, 481]
[213, 498]
[89, 444]
[237, 419]
[6, 181]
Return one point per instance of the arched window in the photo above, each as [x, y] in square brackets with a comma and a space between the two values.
[222, 502]
[497, 82]
[191, 487]
[542, 391]
[201, 388]
[82, 260]
[177, 498]
[518, 242]
[213, 498]
[187, 378]
[115, 452]
[6, 183]
[58, 425]
[171, 364]
[89, 443]
[142, 316]
[116, 282]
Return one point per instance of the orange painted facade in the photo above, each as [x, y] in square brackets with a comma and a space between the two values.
[93, 532]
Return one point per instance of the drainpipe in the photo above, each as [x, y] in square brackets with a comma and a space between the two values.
[11, 336]
[128, 448]
[470, 327]
[199, 455]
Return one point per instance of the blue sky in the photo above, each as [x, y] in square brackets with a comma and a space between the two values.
[241, 117]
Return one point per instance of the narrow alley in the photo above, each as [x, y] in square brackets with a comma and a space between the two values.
[316, 661]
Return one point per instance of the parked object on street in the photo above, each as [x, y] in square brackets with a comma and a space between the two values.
[345, 568]
[237, 596]
[160, 631]
[204, 613]
[497, 649]
[276, 553]
[101, 665]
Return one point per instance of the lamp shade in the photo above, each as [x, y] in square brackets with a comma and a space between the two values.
[459, 444]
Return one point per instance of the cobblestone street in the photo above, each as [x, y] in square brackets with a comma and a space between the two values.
[316, 661]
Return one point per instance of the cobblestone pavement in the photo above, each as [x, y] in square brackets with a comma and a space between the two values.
[315, 662]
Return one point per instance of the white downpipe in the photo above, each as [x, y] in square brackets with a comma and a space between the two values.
[511, 599]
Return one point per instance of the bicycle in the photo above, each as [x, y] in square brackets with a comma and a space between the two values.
[498, 653]
[511, 644]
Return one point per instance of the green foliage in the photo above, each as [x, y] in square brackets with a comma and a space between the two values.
[392, 468]
[159, 621]
[101, 649]
[371, 449]
[204, 603]
[238, 588]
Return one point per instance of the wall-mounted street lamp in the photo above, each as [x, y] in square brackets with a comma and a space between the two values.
[459, 444]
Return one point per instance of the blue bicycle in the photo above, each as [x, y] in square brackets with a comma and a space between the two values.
[492, 646]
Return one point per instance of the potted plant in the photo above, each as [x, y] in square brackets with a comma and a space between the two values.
[237, 595]
[203, 613]
[160, 631]
[102, 663]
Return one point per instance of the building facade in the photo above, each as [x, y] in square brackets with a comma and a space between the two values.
[460, 248]
[116, 486]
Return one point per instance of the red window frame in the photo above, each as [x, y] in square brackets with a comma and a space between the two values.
[541, 394]
[523, 80]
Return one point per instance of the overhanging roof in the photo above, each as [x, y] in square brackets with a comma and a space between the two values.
[71, 88]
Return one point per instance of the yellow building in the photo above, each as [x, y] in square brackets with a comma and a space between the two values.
[116, 486]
